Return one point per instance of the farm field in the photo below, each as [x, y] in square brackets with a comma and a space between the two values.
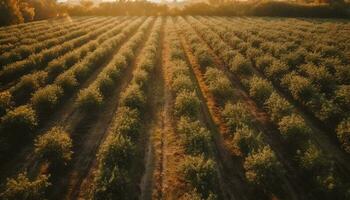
[187, 108]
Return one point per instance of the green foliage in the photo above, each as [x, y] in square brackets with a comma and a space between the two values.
[264, 170]
[187, 103]
[260, 89]
[21, 188]
[300, 87]
[28, 84]
[218, 83]
[127, 122]
[278, 107]
[342, 96]
[195, 138]
[47, 99]
[246, 140]
[19, 124]
[294, 130]
[55, 146]
[201, 174]
[181, 84]
[133, 97]
[263, 62]
[5, 102]
[276, 70]
[89, 99]
[318, 75]
[67, 82]
[241, 65]
[343, 134]
[236, 115]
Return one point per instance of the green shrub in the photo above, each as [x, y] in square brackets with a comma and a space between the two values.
[141, 77]
[240, 65]
[300, 87]
[276, 70]
[342, 74]
[236, 115]
[278, 107]
[127, 122]
[179, 68]
[294, 130]
[67, 82]
[187, 103]
[260, 89]
[264, 170]
[218, 83]
[195, 138]
[105, 84]
[133, 97]
[29, 84]
[294, 59]
[181, 83]
[112, 184]
[89, 99]
[343, 134]
[5, 102]
[117, 151]
[55, 147]
[263, 62]
[318, 75]
[312, 160]
[19, 123]
[342, 96]
[201, 174]
[246, 140]
[21, 188]
[47, 99]
[204, 59]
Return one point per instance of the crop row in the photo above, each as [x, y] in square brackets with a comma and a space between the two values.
[49, 37]
[20, 123]
[294, 131]
[38, 35]
[117, 153]
[317, 78]
[29, 84]
[40, 60]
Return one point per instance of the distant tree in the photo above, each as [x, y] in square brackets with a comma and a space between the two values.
[10, 12]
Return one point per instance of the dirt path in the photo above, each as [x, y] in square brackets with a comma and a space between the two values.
[67, 116]
[231, 174]
[293, 185]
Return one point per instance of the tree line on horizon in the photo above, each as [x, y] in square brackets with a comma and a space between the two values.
[20, 11]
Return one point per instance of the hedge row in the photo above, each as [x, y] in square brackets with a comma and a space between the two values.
[45, 40]
[28, 84]
[40, 60]
[292, 127]
[199, 168]
[113, 176]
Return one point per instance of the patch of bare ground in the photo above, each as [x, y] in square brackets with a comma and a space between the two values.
[231, 173]
[293, 185]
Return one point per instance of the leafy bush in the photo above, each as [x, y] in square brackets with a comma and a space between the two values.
[312, 160]
[294, 130]
[342, 74]
[112, 184]
[246, 140]
[263, 169]
[260, 89]
[195, 138]
[133, 97]
[29, 84]
[89, 99]
[181, 83]
[118, 151]
[204, 58]
[300, 87]
[47, 99]
[278, 107]
[201, 174]
[294, 59]
[5, 102]
[218, 83]
[19, 124]
[187, 103]
[105, 84]
[276, 70]
[240, 65]
[127, 122]
[263, 62]
[318, 75]
[55, 146]
[342, 96]
[343, 134]
[141, 77]
[21, 188]
[67, 82]
[236, 115]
